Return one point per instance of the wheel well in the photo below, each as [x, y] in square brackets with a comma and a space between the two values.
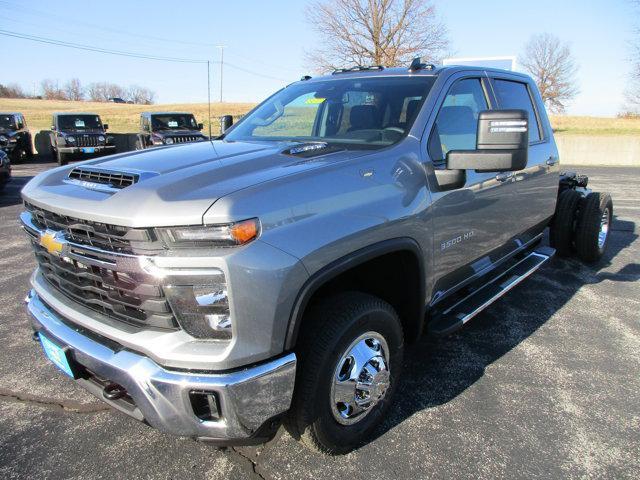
[397, 277]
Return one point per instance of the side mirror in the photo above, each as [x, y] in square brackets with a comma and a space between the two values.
[502, 144]
[105, 126]
[225, 123]
[200, 126]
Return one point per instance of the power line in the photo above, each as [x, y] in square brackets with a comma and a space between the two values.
[89, 48]
[269, 77]
[51, 41]
[39, 13]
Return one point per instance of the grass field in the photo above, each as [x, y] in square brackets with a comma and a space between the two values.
[125, 118]
[595, 125]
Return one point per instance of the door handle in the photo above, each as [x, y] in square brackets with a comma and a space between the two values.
[503, 177]
[551, 161]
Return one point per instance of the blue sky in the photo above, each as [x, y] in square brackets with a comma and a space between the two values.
[270, 37]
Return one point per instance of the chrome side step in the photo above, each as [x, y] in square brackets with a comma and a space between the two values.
[463, 310]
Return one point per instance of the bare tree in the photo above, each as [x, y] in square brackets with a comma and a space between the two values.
[51, 90]
[12, 90]
[73, 90]
[374, 32]
[551, 64]
[141, 95]
[115, 91]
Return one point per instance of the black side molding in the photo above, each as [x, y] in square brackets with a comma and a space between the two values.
[346, 263]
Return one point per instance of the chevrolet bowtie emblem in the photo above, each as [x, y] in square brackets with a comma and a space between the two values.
[51, 241]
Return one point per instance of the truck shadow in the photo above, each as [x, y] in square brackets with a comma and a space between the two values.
[21, 174]
[436, 371]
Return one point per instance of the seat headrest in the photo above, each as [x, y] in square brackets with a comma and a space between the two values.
[362, 117]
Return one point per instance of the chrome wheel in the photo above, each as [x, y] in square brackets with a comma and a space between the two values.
[604, 228]
[360, 379]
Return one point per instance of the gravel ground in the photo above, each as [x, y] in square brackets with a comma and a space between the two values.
[544, 383]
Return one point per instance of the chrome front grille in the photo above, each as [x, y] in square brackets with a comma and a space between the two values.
[111, 238]
[113, 284]
[115, 294]
[87, 140]
[113, 179]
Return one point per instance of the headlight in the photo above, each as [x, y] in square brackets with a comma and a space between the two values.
[202, 310]
[3, 138]
[101, 138]
[70, 138]
[226, 235]
[168, 141]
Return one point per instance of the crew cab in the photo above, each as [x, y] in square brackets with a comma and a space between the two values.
[76, 136]
[275, 274]
[15, 137]
[168, 128]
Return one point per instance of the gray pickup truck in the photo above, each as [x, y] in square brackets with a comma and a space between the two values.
[274, 275]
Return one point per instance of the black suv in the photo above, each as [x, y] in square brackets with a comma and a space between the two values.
[79, 136]
[168, 128]
[15, 138]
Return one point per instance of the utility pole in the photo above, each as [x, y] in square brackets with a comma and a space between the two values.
[221, 47]
[209, 94]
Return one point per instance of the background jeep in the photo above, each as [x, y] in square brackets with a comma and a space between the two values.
[168, 128]
[15, 138]
[79, 136]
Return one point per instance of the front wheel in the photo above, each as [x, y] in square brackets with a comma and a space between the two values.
[349, 365]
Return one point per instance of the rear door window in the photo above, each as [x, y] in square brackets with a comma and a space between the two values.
[515, 95]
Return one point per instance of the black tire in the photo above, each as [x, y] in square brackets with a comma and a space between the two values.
[19, 155]
[561, 232]
[62, 159]
[29, 149]
[593, 210]
[336, 323]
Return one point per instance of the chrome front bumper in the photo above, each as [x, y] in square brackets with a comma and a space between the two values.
[249, 399]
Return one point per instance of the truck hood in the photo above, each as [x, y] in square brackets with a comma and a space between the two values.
[177, 184]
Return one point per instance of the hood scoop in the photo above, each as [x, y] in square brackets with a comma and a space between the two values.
[103, 180]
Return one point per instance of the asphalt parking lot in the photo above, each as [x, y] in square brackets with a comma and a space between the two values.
[544, 383]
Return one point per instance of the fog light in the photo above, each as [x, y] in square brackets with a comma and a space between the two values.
[204, 405]
[202, 310]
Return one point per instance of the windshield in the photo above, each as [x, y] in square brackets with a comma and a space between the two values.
[79, 122]
[7, 121]
[363, 112]
[174, 121]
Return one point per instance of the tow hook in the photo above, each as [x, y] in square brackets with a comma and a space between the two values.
[35, 336]
[113, 391]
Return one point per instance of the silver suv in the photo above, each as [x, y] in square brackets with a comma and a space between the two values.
[276, 273]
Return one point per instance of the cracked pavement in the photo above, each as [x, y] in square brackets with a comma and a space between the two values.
[544, 383]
